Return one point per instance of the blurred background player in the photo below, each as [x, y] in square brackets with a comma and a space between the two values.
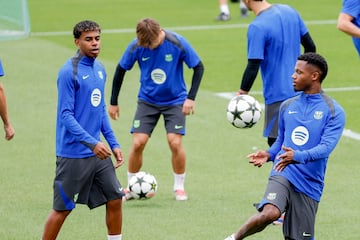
[85, 173]
[225, 10]
[161, 56]
[296, 180]
[274, 42]
[8, 128]
[349, 21]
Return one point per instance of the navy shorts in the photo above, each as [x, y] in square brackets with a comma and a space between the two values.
[89, 181]
[147, 116]
[300, 210]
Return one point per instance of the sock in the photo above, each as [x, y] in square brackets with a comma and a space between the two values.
[179, 180]
[225, 9]
[114, 237]
[231, 237]
[242, 5]
[130, 175]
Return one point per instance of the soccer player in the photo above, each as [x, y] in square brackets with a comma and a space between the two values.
[274, 42]
[160, 55]
[225, 11]
[8, 128]
[310, 126]
[85, 173]
[349, 21]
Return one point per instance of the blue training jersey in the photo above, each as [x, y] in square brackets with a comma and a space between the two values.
[162, 78]
[310, 124]
[81, 111]
[352, 8]
[275, 37]
[1, 70]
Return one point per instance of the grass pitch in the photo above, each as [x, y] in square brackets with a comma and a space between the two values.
[221, 184]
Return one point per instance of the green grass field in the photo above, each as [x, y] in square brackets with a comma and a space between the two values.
[221, 184]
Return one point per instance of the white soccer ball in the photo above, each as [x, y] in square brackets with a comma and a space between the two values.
[143, 185]
[243, 111]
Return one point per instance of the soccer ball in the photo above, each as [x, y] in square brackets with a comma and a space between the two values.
[143, 185]
[243, 111]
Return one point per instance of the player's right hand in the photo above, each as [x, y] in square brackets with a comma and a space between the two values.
[102, 151]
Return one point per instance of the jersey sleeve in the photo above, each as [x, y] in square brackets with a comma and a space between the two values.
[330, 137]
[129, 58]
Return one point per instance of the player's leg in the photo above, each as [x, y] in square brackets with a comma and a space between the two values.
[53, 224]
[178, 160]
[258, 222]
[275, 200]
[106, 189]
[175, 128]
[66, 184]
[114, 218]
[136, 152]
[224, 11]
[243, 9]
[145, 120]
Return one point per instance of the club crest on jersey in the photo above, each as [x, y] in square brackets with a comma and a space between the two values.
[318, 115]
[101, 76]
[168, 58]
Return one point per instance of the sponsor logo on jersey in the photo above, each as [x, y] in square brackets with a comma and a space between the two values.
[96, 97]
[300, 135]
[158, 76]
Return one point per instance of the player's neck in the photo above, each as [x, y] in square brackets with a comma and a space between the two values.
[260, 7]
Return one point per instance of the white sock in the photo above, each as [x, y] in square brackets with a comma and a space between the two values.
[179, 180]
[114, 237]
[231, 237]
[242, 5]
[130, 175]
[225, 9]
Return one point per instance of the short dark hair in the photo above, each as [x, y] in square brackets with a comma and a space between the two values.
[316, 60]
[85, 26]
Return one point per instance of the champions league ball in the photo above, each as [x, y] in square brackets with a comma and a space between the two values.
[143, 185]
[243, 111]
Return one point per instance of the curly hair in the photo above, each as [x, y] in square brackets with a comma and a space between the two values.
[85, 26]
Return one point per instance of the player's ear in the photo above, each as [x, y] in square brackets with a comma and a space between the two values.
[76, 41]
[316, 75]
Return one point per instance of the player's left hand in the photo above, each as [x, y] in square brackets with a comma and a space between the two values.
[119, 157]
[188, 107]
[286, 158]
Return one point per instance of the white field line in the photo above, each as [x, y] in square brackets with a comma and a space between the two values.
[180, 28]
[347, 132]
